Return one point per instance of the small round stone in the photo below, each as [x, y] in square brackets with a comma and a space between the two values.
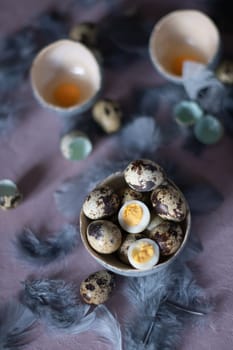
[100, 203]
[169, 203]
[10, 197]
[107, 113]
[169, 237]
[97, 288]
[104, 236]
[143, 175]
[85, 33]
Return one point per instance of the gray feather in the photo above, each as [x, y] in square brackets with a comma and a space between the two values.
[55, 301]
[148, 295]
[139, 138]
[102, 322]
[17, 326]
[71, 194]
[202, 85]
[36, 249]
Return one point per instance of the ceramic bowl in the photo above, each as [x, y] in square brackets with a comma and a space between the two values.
[66, 77]
[111, 261]
[183, 35]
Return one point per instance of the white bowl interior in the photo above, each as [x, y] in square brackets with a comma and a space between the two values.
[65, 61]
[185, 35]
[111, 261]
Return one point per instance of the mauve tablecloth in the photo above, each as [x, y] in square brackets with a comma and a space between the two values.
[30, 156]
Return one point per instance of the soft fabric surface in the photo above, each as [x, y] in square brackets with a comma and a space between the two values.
[30, 156]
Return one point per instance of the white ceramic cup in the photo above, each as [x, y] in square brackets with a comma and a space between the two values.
[183, 35]
[66, 77]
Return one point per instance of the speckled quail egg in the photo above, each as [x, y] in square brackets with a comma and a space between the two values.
[123, 250]
[10, 196]
[169, 203]
[155, 220]
[168, 236]
[97, 288]
[107, 113]
[134, 216]
[85, 33]
[104, 236]
[225, 72]
[143, 175]
[128, 194]
[143, 254]
[100, 203]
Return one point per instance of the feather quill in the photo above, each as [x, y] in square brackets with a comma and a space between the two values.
[17, 326]
[38, 250]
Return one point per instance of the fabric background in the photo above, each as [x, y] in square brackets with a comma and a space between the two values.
[30, 156]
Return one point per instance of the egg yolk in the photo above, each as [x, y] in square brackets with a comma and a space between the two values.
[143, 253]
[132, 214]
[177, 66]
[66, 94]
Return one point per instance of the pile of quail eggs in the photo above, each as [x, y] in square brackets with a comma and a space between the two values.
[140, 223]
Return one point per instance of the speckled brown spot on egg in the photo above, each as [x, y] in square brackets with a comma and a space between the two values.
[97, 288]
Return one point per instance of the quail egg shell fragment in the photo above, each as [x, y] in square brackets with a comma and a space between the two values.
[143, 175]
[134, 216]
[9, 194]
[168, 236]
[100, 203]
[123, 250]
[97, 288]
[143, 254]
[169, 203]
[104, 236]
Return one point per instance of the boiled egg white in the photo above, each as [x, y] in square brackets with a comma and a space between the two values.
[143, 254]
[134, 216]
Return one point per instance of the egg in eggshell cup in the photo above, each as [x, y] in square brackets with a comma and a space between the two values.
[66, 77]
[150, 238]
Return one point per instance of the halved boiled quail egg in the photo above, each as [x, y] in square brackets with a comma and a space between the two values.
[134, 216]
[143, 254]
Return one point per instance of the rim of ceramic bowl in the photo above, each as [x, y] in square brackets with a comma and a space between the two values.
[124, 269]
